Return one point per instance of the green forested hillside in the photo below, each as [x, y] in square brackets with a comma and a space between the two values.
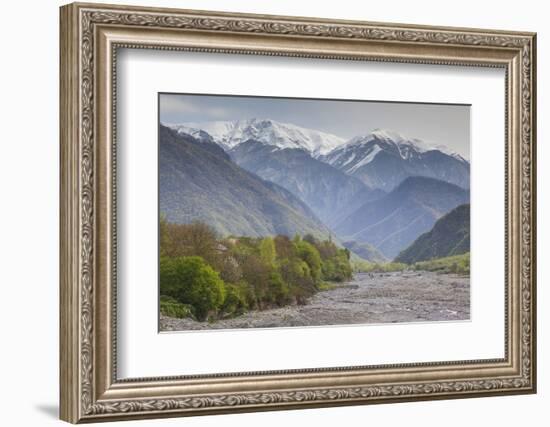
[449, 236]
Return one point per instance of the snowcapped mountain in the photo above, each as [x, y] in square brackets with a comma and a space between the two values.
[196, 133]
[199, 182]
[229, 134]
[329, 192]
[381, 139]
[383, 159]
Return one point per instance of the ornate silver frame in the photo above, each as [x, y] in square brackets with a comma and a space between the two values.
[90, 36]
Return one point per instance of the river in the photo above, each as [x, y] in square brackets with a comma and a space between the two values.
[369, 298]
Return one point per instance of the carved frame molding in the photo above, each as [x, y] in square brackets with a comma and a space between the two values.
[90, 36]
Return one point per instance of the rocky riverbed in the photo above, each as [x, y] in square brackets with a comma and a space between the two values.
[369, 298]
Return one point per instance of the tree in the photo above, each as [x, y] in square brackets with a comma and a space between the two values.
[310, 238]
[327, 250]
[283, 246]
[256, 273]
[164, 235]
[267, 251]
[297, 275]
[337, 268]
[189, 240]
[191, 281]
[278, 289]
[310, 255]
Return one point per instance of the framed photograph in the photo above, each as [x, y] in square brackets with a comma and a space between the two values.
[266, 212]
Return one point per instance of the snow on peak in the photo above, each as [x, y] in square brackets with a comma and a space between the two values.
[365, 160]
[402, 143]
[388, 135]
[194, 132]
[229, 134]
[362, 149]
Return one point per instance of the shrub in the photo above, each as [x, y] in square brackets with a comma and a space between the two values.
[191, 281]
[172, 308]
[235, 302]
[369, 267]
[459, 264]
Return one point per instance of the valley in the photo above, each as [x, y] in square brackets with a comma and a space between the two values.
[268, 224]
[412, 296]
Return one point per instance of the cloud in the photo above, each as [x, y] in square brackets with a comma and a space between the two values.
[170, 104]
[179, 106]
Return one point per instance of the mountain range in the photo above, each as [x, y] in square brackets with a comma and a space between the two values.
[383, 159]
[199, 182]
[329, 192]
[229, 134]
[449, 236]
[378, 191]
[394, 221]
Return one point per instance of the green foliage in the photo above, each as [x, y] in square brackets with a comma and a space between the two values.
[278, 289]
[267, 251]
[338, 267]
[172, 308]
[226, 277]
[256, 273]
[189, 280]
[310, 255]
[459, 264]
[374, 267]
[236, 299]
[297, 274]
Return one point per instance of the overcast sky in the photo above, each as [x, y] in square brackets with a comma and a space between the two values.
[434, 123]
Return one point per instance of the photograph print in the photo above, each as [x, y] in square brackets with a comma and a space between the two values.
[291, 212]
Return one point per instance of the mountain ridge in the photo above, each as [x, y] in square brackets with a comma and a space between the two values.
[199, 182]
[230, 134]
[383, 159]
[330, 193]
[394, 221]
[449, 236]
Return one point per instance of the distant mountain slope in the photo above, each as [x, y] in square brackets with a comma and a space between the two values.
[230, 134]
[365, 251]
[394, 221]
[383, 159]
[449, 236]
[330, 193]
[198, 181]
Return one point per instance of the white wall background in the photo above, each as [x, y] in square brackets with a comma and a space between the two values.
[29, 170]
